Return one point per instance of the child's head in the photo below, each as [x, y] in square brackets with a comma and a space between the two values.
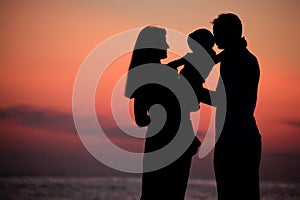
[203, 37]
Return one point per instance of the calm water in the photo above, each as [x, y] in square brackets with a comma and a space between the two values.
[118, 188]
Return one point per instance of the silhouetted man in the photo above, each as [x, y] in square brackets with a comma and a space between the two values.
[238, 150]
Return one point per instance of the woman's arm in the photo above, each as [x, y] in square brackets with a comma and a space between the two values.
[141, 112]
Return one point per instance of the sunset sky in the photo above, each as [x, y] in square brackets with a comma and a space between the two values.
[43, 44]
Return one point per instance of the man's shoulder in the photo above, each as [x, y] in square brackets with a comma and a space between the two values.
[247, 56]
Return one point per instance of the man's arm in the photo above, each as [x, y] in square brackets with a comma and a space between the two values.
[204, 96]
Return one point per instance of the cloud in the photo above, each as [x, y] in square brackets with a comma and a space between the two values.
[46, 119]
[54, 121]
[292, 122]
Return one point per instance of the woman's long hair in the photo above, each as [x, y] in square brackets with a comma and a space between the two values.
[149, 47]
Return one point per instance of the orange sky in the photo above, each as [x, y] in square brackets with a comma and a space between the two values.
[43, 44]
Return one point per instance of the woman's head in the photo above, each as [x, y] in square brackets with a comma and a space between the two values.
[227, 30]
[150, 47]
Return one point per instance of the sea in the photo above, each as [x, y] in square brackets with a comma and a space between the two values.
[119, 188]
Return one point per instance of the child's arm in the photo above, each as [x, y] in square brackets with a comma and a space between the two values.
[176, 63]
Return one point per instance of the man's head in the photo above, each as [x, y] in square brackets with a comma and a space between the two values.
[227, 29]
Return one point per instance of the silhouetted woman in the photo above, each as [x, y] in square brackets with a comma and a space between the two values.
[169, 182]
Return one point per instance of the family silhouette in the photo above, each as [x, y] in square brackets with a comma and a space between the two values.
[237, 151]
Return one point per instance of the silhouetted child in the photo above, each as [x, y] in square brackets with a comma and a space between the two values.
[206, 39]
